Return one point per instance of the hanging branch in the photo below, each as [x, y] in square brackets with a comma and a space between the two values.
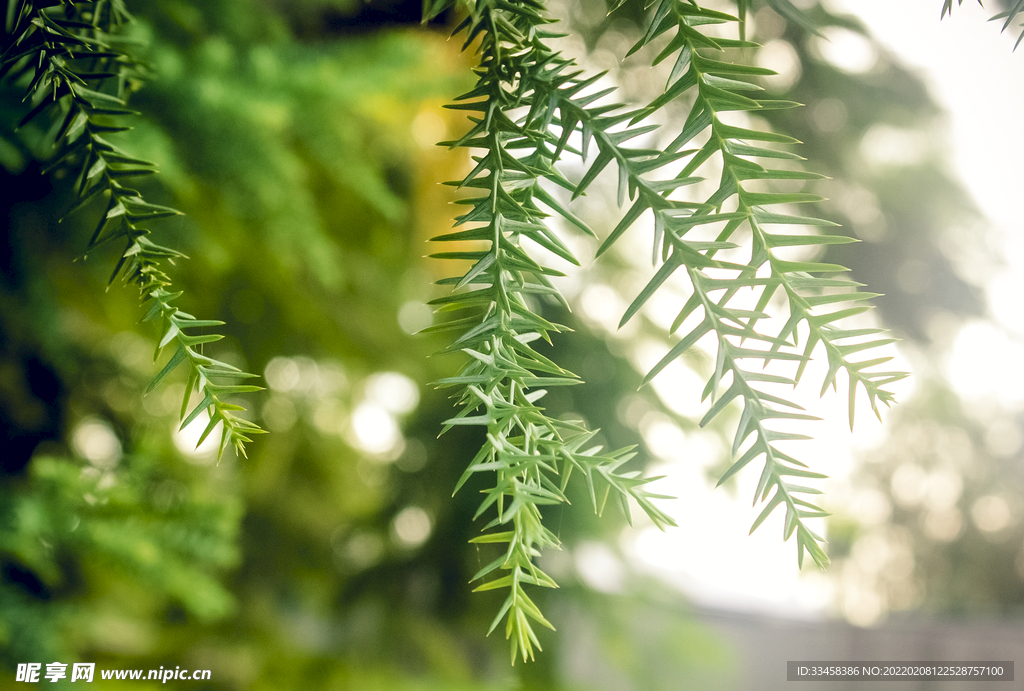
[531, 101]
[530, 454]
[721, 87]
[69, 55]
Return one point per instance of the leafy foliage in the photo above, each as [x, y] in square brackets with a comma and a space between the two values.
[138, 527]
[529, 109]
[287, 235]
[531, 453]
[76, 72]
[719, 86]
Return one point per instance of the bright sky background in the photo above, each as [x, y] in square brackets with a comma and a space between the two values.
[974, 75]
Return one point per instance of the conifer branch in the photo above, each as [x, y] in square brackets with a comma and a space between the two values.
[722, 87]
[531, 454]
[69, 55]
[558, 101]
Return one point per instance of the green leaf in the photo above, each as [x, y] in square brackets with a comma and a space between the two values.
[172, 364]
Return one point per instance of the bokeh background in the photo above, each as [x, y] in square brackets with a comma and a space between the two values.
[299, 139]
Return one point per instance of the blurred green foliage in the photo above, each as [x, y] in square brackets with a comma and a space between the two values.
[298, 139]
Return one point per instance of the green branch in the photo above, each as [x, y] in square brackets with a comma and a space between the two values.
[530, 454]
[77, 74]
[561, 102]
[723, 87]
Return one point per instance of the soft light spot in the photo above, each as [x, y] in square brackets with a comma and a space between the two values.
[300, 374]
[828, 115]
[279, 413]
[780, 56]
[599, 568]
[360, 551]
[373, 429]
[330, 417]
[1003, 438]
[871, 552]
[372, 474]
[265, 63]
[331, 379]
[943, 526]
[414, 456]
[414, 316]
[768, 24]
[845, 50]
[96, 442]
[601, 304]
[871, 507]
[133, 350]
[282, 374]
[860, 205]
[428, 128]
[862, 606]
[392, 391]
[908, 484]
[886, 145]
[991, 513]
[185, 440]
[412, 526]
[943, 491]
[913, 277]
